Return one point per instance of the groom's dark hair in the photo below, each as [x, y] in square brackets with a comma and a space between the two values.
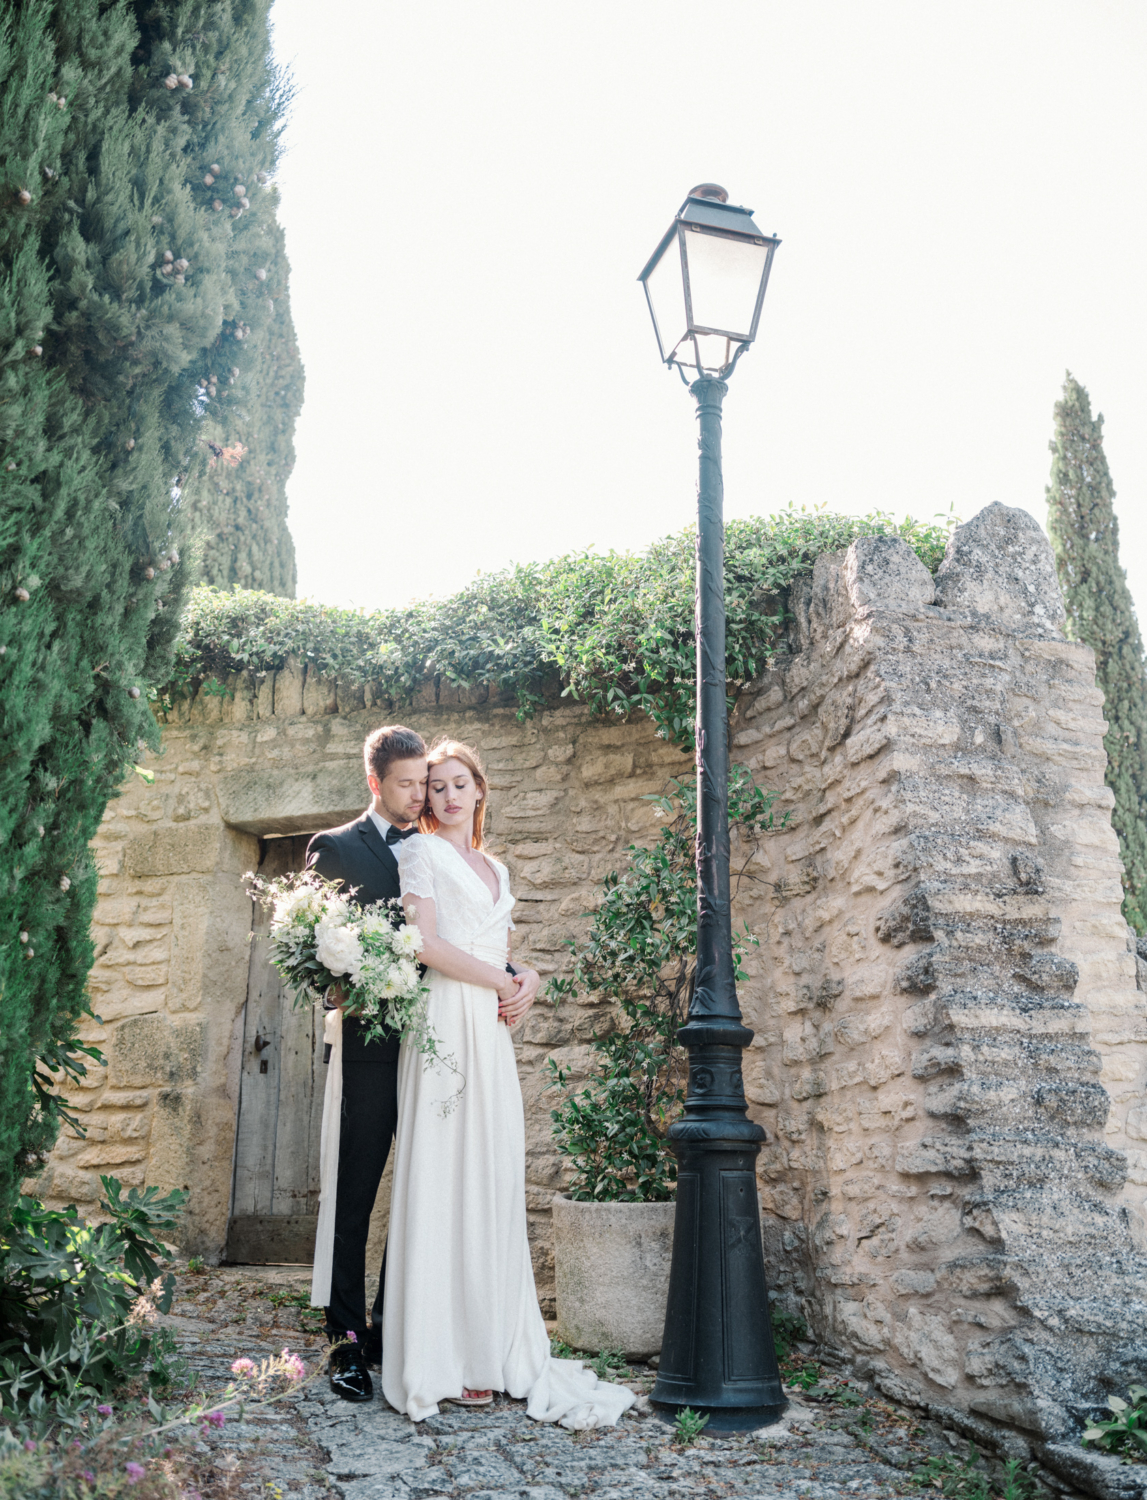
[391, 742]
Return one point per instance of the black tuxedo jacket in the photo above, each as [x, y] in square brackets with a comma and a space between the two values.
[359, 856]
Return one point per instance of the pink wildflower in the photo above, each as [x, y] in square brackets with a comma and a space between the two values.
[134, 1472]
[216, 1418]
[353, 1336]
[104, 1411]
[30, 1444]
[243, 1367]
[293, 1367]
[89, 1476]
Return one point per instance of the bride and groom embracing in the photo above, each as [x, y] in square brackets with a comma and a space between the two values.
[456, 1316]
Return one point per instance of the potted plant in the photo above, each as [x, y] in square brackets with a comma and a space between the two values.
[613, 1227]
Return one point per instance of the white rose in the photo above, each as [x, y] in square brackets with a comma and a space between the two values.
[339, 948]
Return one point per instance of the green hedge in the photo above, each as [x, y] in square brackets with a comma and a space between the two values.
[616, 629]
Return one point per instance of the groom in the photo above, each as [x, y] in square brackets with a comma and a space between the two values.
[362, 855]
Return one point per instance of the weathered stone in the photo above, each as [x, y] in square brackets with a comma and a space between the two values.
[1000, 564]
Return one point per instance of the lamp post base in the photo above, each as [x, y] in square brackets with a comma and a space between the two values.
[726, 1418]
[718, 1354]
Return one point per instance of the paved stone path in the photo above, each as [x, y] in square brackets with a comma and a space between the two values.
[313, 1444]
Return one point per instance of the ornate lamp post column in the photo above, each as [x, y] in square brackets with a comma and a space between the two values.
[705, 285]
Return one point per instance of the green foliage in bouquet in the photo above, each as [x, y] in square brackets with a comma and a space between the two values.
[122, 291]
[616, 629]
[641, 954]
[76, 1300]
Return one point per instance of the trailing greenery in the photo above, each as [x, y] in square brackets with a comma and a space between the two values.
[1085, 536]
[121, 289]
[74, 1303]
[641, 954]
[616, 629]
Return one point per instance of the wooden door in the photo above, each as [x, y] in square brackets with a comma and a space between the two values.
[275, 1196]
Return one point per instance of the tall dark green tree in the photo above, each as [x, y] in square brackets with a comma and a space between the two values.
[239, 513]
[1085, 536]
[126, 281]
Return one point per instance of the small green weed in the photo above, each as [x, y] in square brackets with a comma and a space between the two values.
[955, 1478]
[608, 1363]
[196, 1266]
[806, 1378]
[788, 1329]
[688, 1426]
[310, 1319]
[1126, 1430]
[558, 1350]
[1018, 1483]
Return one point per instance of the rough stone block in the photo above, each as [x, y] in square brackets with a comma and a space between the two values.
[173, 851]
[883, 572]
[295, 800]
[149, 1050]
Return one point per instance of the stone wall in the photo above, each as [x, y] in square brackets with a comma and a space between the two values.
[950, 1045]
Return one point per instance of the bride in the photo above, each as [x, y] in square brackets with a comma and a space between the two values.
[461, 1316]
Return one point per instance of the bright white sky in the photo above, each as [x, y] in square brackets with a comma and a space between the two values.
[472, 186]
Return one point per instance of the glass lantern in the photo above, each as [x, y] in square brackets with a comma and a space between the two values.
[705, 283]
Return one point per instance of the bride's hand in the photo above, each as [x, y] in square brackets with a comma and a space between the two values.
[526, 984]
[507, 988]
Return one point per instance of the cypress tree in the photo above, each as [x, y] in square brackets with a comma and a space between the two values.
[123, 288]
[239, 515]
[1085, 536]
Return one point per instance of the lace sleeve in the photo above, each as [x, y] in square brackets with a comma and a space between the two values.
[416, 867]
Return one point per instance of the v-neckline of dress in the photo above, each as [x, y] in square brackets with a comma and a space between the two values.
[474, 874]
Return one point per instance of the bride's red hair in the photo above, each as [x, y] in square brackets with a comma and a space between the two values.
[444, 750]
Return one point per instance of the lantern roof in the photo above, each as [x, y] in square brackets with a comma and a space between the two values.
[707, 205]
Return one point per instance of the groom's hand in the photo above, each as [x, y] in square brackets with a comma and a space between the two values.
[527, 982]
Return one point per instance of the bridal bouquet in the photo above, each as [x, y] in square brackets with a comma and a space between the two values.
[320, 939]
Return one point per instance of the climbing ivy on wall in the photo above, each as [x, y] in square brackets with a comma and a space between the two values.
[616, 628]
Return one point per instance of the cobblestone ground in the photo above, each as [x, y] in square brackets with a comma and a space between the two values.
[313, 1444]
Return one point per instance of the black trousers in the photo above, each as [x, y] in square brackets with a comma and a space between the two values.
[369, 1117]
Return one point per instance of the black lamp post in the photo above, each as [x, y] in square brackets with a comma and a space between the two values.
[705, 285]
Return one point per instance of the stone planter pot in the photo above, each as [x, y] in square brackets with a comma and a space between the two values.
[611, 1266]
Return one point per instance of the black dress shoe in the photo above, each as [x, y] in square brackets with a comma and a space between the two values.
[348, 1375]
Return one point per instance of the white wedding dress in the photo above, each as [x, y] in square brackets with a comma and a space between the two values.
[461, 1310]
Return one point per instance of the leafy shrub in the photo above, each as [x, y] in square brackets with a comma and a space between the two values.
[1125, 1431]
[616, 629]
[641, 953]
[75, 1300]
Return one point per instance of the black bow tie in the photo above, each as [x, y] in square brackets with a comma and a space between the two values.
[396, 835]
